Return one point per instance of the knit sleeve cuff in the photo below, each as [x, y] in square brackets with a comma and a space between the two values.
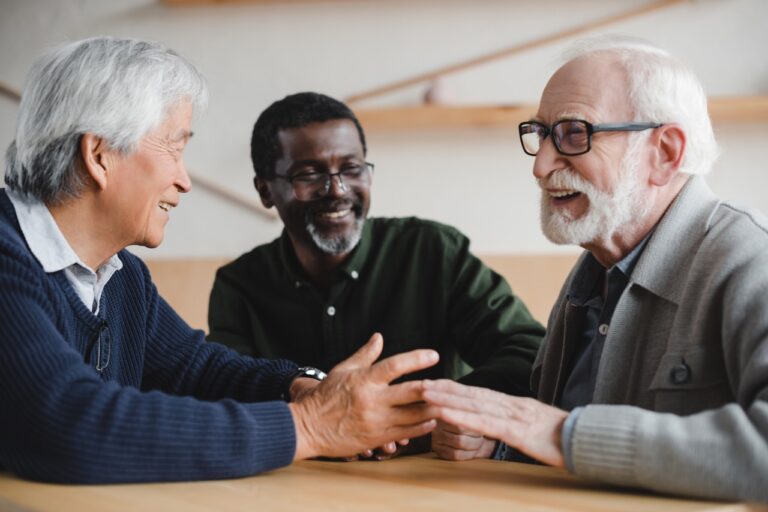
[567, 437]
[604, 443]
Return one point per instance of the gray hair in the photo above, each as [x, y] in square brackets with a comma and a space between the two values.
[117, 89]
[662, 90]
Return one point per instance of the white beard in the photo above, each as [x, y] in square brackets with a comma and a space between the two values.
[337, 244]
[607, 212]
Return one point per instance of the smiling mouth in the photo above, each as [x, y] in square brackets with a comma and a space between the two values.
[561, 196]
[335, 214]
[165, 206]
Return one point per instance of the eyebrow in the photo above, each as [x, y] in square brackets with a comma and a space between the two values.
[307, 161]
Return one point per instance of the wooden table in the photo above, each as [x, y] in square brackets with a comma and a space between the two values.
[407, 483]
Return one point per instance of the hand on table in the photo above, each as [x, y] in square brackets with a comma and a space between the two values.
[456, 443]
[356, 408]
[526, 424]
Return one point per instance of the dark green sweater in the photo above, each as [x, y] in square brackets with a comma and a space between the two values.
[412, 280]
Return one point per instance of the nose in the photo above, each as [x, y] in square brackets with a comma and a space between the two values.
[336, 186]
[183, 182]
[546, 160]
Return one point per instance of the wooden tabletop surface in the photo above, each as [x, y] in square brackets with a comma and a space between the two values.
[406, 483]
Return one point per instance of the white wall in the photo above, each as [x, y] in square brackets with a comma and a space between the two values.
[476, 179]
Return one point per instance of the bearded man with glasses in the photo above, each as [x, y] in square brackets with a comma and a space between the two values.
[334, 276]
[654, 369]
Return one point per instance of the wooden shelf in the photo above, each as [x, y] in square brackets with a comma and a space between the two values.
[437, 117]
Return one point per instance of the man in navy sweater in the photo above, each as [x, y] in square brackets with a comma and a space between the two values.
[101, 380]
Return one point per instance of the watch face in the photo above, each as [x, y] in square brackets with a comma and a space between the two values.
[312, 373]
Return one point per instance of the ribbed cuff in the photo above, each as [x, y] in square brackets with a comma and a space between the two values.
[566, 439]
[604, 443]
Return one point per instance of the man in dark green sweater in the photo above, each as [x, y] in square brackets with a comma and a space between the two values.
[334, 277]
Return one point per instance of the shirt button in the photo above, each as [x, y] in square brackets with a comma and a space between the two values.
[354, 274]
[298, 284]
[603, 329]
[331, 310]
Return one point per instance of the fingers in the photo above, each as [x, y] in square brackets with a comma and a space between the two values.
[389, 448]
[459, 403]
[365, 355]
[495, 428]
[412, 431]
[401, 364]
[449, 387]
[404, 393]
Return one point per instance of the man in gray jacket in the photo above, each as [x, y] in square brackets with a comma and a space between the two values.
[654, 369]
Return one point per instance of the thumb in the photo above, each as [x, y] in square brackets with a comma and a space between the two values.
[365, 355]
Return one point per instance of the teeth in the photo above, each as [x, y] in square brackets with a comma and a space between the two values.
[335, 215]
[563, 193]
[165, 206]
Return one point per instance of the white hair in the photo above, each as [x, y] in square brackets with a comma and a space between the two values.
[116, 89]
[661, 90]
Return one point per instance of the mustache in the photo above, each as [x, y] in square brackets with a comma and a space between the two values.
[565, 178]
[325, 205]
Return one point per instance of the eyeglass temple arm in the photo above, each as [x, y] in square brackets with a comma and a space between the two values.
[624, 127]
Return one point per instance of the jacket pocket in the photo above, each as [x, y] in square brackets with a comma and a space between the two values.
[690, 381]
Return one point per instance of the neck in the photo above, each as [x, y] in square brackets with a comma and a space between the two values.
[609, 252]
[319, 266]
[81, 221]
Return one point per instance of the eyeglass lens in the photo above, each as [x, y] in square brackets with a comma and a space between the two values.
[313, 185]
[571, 137]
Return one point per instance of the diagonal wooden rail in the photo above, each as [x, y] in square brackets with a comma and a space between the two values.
[206, 184]
[513, 50]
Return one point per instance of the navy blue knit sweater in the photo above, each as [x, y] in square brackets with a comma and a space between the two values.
[133, 394]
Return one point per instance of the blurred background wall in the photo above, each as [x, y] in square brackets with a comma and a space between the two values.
[476, 178]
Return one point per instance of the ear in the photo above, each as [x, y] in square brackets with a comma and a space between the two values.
[668, 151]
[96, 162]
[264, 192]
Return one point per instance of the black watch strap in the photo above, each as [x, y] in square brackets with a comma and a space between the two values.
[308, 372]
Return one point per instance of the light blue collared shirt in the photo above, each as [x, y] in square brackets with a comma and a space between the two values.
[48, 245]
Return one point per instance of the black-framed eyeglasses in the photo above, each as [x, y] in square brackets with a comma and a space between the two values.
[308, 185]
[571, 136]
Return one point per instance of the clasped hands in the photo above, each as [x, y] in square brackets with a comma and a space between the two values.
[357, 408]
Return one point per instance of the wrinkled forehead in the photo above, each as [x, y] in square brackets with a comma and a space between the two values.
[594, 88]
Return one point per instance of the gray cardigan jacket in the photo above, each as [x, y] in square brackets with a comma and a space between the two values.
[681, 401]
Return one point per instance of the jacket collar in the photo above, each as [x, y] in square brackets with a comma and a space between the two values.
[676, 237]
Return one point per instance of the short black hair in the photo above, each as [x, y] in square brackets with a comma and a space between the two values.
[293, 111]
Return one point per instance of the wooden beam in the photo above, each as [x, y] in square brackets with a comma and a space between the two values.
[512, 50]
[9, 92]
[443, 117]
[234, 198]
[439, 117]
[176, 3]
[739, 109]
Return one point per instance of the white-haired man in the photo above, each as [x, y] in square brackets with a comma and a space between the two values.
[654, 369]
[101, 381]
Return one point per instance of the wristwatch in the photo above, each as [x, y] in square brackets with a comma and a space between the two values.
[308, 372]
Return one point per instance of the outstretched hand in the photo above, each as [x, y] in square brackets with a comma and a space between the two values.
[355, 407]
[528, 425]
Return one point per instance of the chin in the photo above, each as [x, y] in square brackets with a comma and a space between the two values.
[151, 243]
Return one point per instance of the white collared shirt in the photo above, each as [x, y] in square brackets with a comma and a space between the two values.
[54, 253]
